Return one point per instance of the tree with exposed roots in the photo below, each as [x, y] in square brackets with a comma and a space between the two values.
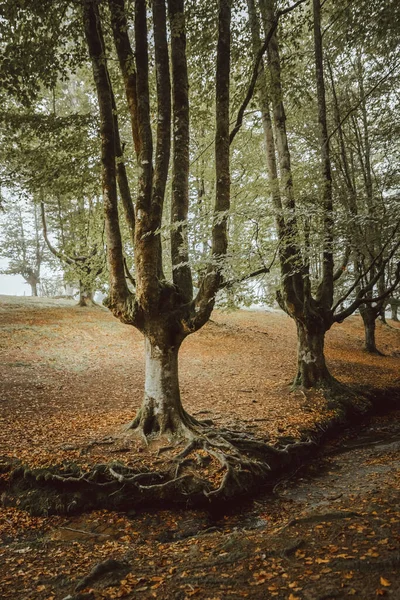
[313, 306]
[165, 311]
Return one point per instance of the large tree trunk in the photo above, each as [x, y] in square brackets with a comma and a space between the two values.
[311, 366]
[369, 319]
[161, 411]
[34, 291]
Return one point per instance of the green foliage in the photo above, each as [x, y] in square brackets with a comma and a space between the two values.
[49, 146]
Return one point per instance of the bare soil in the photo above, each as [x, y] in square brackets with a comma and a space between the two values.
[72, 375]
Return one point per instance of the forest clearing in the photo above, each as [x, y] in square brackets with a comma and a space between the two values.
[166, 166]
[308, 535]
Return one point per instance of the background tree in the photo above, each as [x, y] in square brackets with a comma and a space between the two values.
[308, 293]
[80, 245]
[22, 245]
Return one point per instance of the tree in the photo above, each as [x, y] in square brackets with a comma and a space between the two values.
[164, 311]
[50, 154]
[311, 303]
[81, 253]
[394, 306]
[359, 156]
[22, 245]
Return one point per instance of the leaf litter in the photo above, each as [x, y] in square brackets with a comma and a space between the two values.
[71, 376]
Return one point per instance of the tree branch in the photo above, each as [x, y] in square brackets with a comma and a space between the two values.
[361, 100]
[257, 62]
[361, 296]
[371, 265]
[340, 270]
[53, 250]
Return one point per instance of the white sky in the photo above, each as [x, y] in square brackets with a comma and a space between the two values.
[13, 285]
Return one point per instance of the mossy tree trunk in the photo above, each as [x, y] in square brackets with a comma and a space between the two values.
[165, 312]
[312, 371]
[369, 314]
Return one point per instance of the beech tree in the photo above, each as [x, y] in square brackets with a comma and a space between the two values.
[394, 304]
[49, 155]
[165, 311]
[365, 177]
[81, 248]
[312, 305]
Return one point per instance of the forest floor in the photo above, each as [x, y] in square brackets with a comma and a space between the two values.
[71, 375]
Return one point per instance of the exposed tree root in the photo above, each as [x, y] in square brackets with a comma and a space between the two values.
[293, 547]
[323, 517]
[100, 570]
[199, 466]
[378, 565]
[213, 466]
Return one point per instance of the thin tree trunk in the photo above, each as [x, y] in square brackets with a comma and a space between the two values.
[325, 290]
[211, 281]
[181, 272]
[147, 243]
[264, 104]
[126, 60]
[291, 259]
[95, 42]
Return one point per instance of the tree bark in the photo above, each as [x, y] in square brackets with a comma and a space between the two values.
[368, 315]
[394, 307]
[85, 296]
[312, 371]
[161, 411]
